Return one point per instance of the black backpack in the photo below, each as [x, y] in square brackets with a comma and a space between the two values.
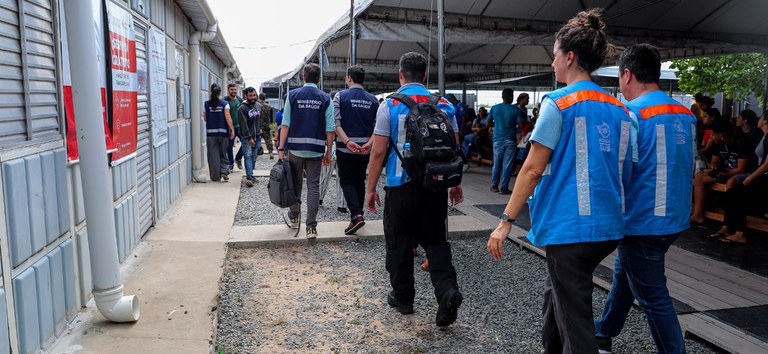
[281, 187]
[432, 158]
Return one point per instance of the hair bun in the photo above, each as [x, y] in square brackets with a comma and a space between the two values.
[594, 16]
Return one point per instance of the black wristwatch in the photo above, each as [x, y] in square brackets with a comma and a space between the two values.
[505, 217]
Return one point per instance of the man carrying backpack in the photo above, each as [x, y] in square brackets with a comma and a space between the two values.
[415, 209]
[308, 128]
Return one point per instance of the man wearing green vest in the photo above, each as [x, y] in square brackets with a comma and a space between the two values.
[234, 101]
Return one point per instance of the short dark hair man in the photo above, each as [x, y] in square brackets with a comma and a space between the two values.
[658, 202]
[505, 117]
[355, 111]
[412, 214]
[234, 103]
[307, 130]
[249, 113]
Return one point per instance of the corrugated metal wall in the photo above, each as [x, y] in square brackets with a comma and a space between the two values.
[46, 276]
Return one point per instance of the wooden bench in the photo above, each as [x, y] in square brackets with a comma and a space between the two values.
[753, 222]
[481, 162]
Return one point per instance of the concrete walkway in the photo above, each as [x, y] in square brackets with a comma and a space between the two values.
[175, 273]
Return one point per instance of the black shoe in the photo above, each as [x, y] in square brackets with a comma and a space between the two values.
[355, 225]
[342, 210]
[448, 309]
[603, 345]
[399, 306]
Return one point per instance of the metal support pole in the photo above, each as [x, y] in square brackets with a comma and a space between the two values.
[321, 54]
[353, 33]
[97, 186]
[441, 46]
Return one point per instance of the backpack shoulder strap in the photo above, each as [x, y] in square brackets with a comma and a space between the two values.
[404, 99]
[433, 100]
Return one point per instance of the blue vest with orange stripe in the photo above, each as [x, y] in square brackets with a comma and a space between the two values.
[581, 195]
[396, 175]
[659, 194]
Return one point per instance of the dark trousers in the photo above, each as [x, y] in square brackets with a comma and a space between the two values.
[741, 199]
[352, 169]
[414, 215]
[568, 322]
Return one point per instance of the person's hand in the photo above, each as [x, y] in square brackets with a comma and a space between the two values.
[747, 180]
[327, 158]
[371, 201]
[355, 147]
[496, 240]
[280, 154]
[456, 195]
[706, 171]
[231, 135]
[252, 142]
[366, 148]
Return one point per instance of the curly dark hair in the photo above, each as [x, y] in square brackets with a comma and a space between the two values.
[584, 35]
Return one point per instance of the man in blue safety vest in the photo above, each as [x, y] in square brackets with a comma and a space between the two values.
[658, 203]
[308, 130]
[355, 111]
[413, 214]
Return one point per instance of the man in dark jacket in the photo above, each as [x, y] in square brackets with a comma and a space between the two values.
[249, 114]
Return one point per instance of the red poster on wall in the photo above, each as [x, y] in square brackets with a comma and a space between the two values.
[122, 43]
[69, 106]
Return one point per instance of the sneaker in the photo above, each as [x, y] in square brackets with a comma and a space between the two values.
[311, 233]
[249, 182]
[603, 345]
[342, 210]
[224, 177]
[494, 189]
[399, 306]
[505, 191]
[448, 309]
[231, 168]
[355, 225]
[294, 221]
[271, 155]
[239, 165]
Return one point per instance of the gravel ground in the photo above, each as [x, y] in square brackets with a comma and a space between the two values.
[331, 297]
[254, 207]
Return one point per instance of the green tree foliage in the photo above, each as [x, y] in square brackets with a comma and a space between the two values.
[736, 75]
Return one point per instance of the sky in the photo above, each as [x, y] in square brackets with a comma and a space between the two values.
[271, 37]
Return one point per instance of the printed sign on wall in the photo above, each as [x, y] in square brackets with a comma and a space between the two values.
[158, 87]
[122, 43]
[69, 105]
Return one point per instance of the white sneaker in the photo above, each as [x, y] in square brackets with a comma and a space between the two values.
[311, 233]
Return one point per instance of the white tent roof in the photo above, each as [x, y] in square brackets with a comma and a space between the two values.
[496, 40]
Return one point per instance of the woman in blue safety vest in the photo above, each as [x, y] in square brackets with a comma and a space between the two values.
[578, 164]
[219, 129]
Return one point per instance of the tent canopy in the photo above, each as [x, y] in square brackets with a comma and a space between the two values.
[494, 42]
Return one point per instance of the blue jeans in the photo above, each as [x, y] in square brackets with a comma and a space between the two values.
[239, 155]
[503, 156]
[250, 157]
[468, 145]
[639, 274]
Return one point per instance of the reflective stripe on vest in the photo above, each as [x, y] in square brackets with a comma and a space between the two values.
[653, 111]
[587, 95]
[582, 166]
[623, 149]
[660, 201]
